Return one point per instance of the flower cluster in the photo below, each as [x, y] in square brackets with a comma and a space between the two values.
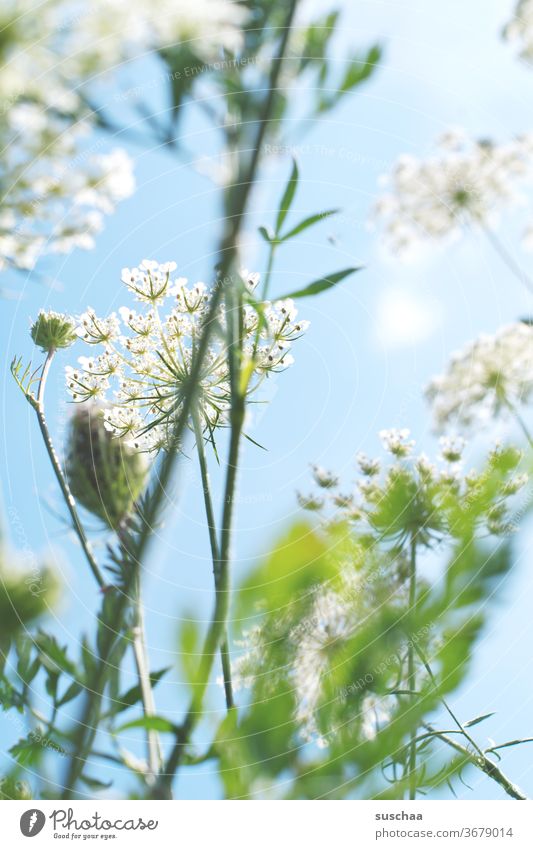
[416, 498]
[490, 376]
[54, 196]
[144, 356]
[519, 30]
[466, 182]
[315, 643]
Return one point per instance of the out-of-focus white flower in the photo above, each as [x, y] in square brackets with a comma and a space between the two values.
[519, 30]
[466, 182]
[54, 195]
[145, 357]
[485, 378]
[396, 441]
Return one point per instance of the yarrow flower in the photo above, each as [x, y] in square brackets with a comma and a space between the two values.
[489, 377]
[53, 330]
[467, 182]
[143, 359]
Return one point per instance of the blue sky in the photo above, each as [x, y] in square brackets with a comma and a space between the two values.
[373, 344]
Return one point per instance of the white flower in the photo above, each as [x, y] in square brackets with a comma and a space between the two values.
[54, 199]
[519, 30]
[483, 379]
[330, 624]
[451, 448]
[466, 182]
[397, 442]
[146, 360]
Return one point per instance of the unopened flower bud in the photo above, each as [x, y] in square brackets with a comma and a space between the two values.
[105, 473]
[53, 330]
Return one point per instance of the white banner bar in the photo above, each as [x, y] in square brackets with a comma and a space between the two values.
[264, 825]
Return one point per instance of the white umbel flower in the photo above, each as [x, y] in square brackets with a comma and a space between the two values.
[144, 357]
[486, 378]
[466, 182]
[519, 30]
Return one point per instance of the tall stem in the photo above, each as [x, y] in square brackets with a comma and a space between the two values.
[210, 516]
[411, 668]
[519, 420]
[508, 259]
[484, 763]
[38, 405]
[140, 652]
[228, 253]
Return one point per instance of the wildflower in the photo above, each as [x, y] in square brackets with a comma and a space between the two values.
[146, 356]
[323, 478]
[367, 466]
[452, 448]
[105, 475]
[396, 441]
[487, 378]
[467, 182]
[53, 330]
[519, 30]
[49, 206]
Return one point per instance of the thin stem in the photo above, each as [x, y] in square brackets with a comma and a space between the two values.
[228, 252]
[38, 405]
[155, 755]
[210, 516]
[411, 669]
[518, 418]
[484, 763]
[270, 266]
[507, 258]
[447, 707]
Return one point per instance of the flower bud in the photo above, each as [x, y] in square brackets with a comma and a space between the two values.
[11, 788]
[53, 330]
[106, 474]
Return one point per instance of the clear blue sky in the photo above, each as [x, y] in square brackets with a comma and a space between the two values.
[373, 344]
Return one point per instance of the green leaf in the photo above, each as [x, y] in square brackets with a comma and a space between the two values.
[510, 743]
[323, 284]
[95, 783]
[478, 719]
[150, 723]
[70, 693]
[134, 695]
[53, 656]
[308, 222]
[266, 234]
[288, 197]
[360, 68]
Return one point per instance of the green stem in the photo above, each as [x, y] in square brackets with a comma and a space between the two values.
[270, 266]
[411, 669]
[38, 406]
[506, 257]
[155, 755]
[519, 420]
[109, 636]
[228, 252]
[484, 763]
[210, 516]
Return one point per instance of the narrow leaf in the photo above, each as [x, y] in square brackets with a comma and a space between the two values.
[150, 723]
[288, 197]
[308, 222]
[478, 719]
[511, 743]
[323, 284]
